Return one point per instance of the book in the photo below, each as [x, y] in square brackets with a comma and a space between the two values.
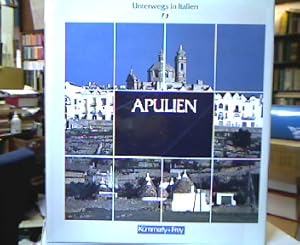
[283, 204]
[137, 136]
[290, 227]
[4, 125]
[282, 186]
[292, 51]
[22, 101]
[21, 98]
[286, 79]
[34, 79]
[283, 22]
[293, 21]
[284, 158]
[4, 110]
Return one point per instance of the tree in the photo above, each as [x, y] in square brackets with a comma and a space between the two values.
[242, 138]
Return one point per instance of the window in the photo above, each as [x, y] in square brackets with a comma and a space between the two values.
[236, 108]
[220, 116]
[226, 200]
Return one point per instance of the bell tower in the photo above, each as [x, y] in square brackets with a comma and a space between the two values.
[181, 61]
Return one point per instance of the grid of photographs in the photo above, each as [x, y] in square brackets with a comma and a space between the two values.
[163, 122]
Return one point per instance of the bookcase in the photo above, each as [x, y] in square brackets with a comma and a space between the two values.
[33, 59]
[286, 77]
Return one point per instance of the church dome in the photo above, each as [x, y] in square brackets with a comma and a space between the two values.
[159, 65]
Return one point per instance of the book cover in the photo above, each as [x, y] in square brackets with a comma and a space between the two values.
[162, 110]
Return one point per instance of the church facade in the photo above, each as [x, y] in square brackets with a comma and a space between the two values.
[163, 76]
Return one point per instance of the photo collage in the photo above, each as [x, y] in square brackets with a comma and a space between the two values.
[163, 122]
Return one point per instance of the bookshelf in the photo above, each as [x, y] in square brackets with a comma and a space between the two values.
[286, 77]
[33, 59]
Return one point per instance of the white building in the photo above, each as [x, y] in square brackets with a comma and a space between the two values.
[88, 102]
[235, 110]
[186, 199]
[225, 199]
[191, 202]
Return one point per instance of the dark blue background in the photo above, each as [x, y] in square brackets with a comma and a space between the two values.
[163, 134]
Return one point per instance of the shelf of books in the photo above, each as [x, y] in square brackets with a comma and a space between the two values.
[286, 79]
[33, 59]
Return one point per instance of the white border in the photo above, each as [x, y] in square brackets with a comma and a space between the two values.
[57, 13]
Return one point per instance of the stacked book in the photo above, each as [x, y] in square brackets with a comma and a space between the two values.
[284, 183]
[4, 117]
[25, 103]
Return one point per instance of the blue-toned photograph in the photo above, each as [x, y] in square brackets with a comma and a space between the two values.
[89, 188]
[235, 191]
[238, 123]
[190, 52]
[138, 193]
[186, 185]
[240, 57]
[187, 64]
[138, 47]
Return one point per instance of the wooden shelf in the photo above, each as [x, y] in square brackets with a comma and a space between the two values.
[289, 36]
[290, 143]
[287, 94]
[285, 1]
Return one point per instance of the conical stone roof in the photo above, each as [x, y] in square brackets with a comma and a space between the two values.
[149, 190]
[184, 185]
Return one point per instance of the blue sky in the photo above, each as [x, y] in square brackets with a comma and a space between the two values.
[240, 57]
[138, 46]
[240, 52]
[89, 53]
[198, 42]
